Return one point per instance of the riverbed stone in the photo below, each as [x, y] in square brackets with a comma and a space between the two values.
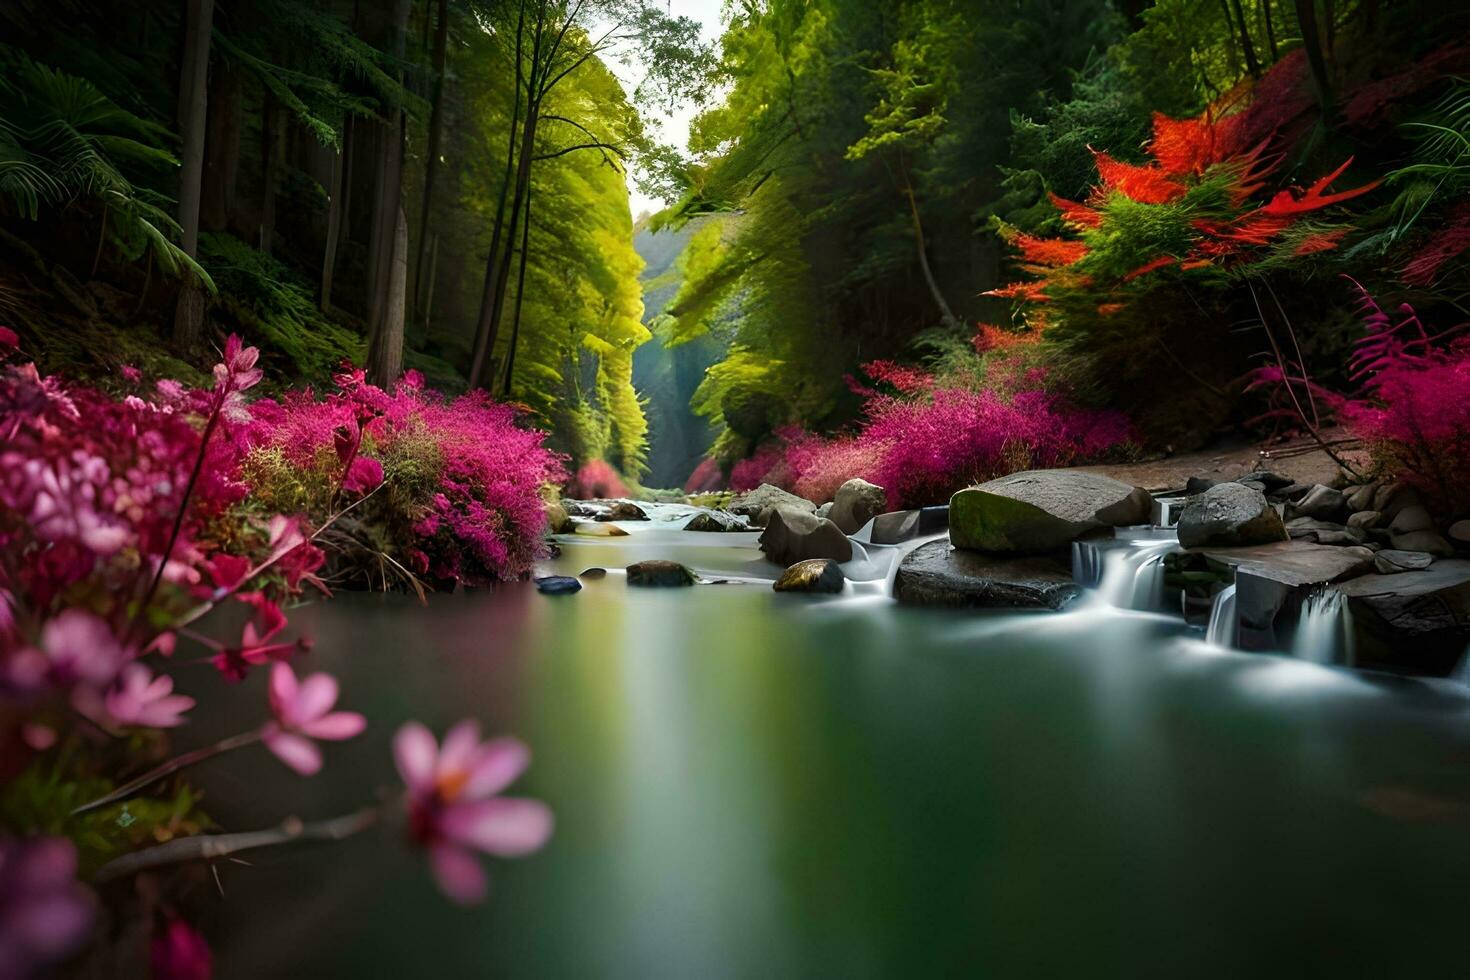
[1391, 562]
[1292, 492]
[1413, 518]
[1324, 532]
[1041, 510]
[593, 573]
[622, 510]
[757, 503]
[1198, 484]
[1320, 502]
[716, 521]
[856, 503]
[935, 574]
[793, 534]
[1459, 532]
[1365, 519]
[825, 510]
[1416, 620]
[557, 585]
[596, 530]
[1361, 498]
[1428, 540]
[558, 521]
[659, 573]
[1230, 514]
[904, 525]
[1391, 498]
[812, 575]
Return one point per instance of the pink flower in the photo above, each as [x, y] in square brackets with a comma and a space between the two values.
[180, 953]
[453, 806]
[45, 914]
[8, 340]
[363, 475]
[303, 712]
[237, 372]
[80, 647]
[255, 646]
[139, 698]
[131, 374]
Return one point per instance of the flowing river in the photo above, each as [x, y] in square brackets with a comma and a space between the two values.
[750, 784]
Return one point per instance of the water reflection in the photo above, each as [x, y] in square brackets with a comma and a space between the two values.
[756, 785]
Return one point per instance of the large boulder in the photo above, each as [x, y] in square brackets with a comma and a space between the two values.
[558, 521]
[794, 535]
[903, 525]
[1418, 620]
[1042, 510]
[935, 574]
[1230, 514]
[657, 572]
[856, 503]
[716, 520]
[622, 510]
[812, 575]
[756, 503]
[1321, 503]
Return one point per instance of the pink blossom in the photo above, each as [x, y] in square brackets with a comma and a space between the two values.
[255, 646]
[179, 952]
[45, 914]
[139, 698]
[363, 475]
[303, 712]
[131, 374]
[81, 647]
[8, 340]
[454, 809]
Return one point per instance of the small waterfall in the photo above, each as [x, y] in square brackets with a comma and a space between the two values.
[1221, 631]
[1133, 574]
[1087, 563]
[1324, 633]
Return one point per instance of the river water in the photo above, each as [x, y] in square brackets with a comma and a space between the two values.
[758, 785]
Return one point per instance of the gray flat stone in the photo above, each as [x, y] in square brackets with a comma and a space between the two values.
[935, 574]
[1391, 562]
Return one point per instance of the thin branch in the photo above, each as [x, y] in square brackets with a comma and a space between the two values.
[581, 146]
[208, 847]
[170, 767]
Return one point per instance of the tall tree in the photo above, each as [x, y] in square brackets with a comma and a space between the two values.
[385, 316]
[434, 146]
[188, 329]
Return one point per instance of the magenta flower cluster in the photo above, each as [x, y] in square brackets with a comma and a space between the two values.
[927, 437]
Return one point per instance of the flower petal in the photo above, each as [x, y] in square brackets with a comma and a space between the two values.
[496, 765]
[317, 695]
[459, 747]
[336, 726]
[458, 874]
[414, 752]
[503, 826]
[282, 692]
[295, 751]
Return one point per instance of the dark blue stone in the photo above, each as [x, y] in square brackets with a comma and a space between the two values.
[558, 584]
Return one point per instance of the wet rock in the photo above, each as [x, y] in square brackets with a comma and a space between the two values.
[1413, 518]
[558, 521]
[1416, 620]
[1324, 532]
[557, 585]
[1391, 498]
[755, 504]
[658, 573]
[935, 574]
[1361, 498]
[622, 510]
[812, 575]
[1273, 580]
[1292, 492]
[1365, 519]
[593, 573]
[825, 510]
[1271, 481]
[856, 503]
[905, 525]
[794, 535]
[1041, 510]
[1229, 514]
[1391, 562]
[1429, 540]
[1459, 532]
[1198, 484]
[579, 508]
[594, 530]
[1253, 484]
[1321, 503]
[716, 520]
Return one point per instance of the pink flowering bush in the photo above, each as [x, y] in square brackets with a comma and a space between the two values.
[124, 522]
[453, 485]
[596, 480]
[929, 437]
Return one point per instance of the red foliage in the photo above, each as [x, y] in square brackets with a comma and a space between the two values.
[1147, 184]
[1027, 292]
[1290, 202]
[1369, 103]
[989, 337]
[1048, 252]
[706, 477]
[1445, 245]
[1077, 215]
[1152, 265]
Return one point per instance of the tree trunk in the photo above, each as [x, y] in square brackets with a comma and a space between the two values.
[1306, 15]
[193, 105]
[385, 353]
[388, 184]
[493, 307]
[1251, 64]
[946, 315]
[484, 340]
[334, 225]
[436, 132]
[515, 330]
[272, 143]
[428, 312]
[1270, 31]
[221, 147]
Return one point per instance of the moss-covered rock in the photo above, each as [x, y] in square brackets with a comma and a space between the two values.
[1042, 510]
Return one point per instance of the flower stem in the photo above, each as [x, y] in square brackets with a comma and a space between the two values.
[209, 846]
[172, 766]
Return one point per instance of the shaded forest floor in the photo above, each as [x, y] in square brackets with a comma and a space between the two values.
[1302, 461]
